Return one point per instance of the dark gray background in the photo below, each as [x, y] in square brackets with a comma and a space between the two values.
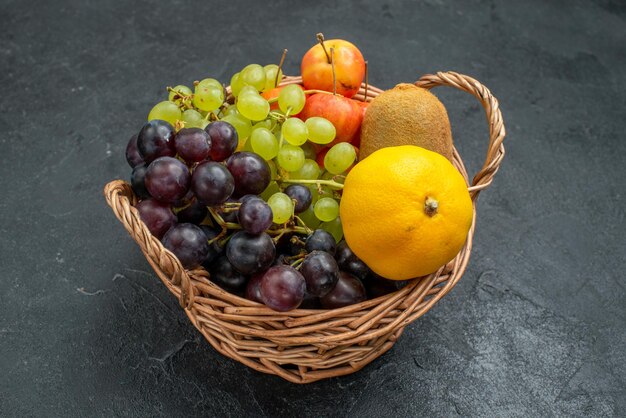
[535, 327]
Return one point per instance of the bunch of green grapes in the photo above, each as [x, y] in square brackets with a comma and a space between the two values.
[287, 143]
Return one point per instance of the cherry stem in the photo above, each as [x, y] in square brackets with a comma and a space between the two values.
[366, 83]
[332, 65]
[330, 183]
[280, 66]
[320, 39]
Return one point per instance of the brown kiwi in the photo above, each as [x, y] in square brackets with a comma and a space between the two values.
[406, 115]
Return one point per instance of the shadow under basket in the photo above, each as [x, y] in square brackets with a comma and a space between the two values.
[303, 346]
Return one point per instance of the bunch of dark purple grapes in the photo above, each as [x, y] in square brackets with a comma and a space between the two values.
[201, 199]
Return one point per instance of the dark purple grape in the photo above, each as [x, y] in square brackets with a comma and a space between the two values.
[320, 271]
[377, 286]
[246, 197]
[193, 144]
[310, 302]
[251, 173]
[214, 247]
[212, 183]
[167, 179]
[302, 196]
[321, 240]
[348, 261]
[253, 288]
[156, 139]
[282, 288]
[133, 157]
[157, 216]
[226, 276]
[193, 214]
[348, 291]
[138, 181]
[188, 243]
[254, 215]
[224, 140]
[250, 253]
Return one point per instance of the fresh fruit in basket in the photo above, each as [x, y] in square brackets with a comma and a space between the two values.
[317, 71]
[232, 180]
[405, 211]
[406, 115]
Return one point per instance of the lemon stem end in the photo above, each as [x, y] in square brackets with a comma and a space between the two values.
[431, 206]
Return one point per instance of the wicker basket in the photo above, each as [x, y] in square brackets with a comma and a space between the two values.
[303, 346]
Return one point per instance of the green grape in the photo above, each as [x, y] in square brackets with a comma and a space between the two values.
[210, 82]
[290, 157]
[166, 111]
[253, 75]
[267, 123]
[309, 150]
[309, 171]
[230, 110]
[333, 228]
[270, 76]
[273, 169]
[242, 125]
[192, 118]
[294, 131]
[309, 218]
[321, 131]
[264, 143]
[236, 84]
[282, 207]
[247, 146]
[315, 194]
[208, 98]
[270, 190]
[247, 89]
[184, 90]
[252, 105]
[339, 158]
[291, 98]
[326, 209]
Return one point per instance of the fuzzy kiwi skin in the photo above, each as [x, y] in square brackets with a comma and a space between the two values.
[406, 115]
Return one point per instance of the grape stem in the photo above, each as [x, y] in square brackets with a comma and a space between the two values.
[280, 66]
[308, 230]
[296, 264]
[221, 222]
[184, 98]
[278, 233]
[329, 183]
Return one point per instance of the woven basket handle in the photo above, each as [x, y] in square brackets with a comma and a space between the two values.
[495, 152]
[150, 245]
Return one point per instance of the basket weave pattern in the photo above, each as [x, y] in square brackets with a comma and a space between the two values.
[303, 346]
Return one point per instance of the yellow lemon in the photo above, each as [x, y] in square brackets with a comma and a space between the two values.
[405, 211]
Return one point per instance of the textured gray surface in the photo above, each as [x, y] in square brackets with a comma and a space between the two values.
[535, 327]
